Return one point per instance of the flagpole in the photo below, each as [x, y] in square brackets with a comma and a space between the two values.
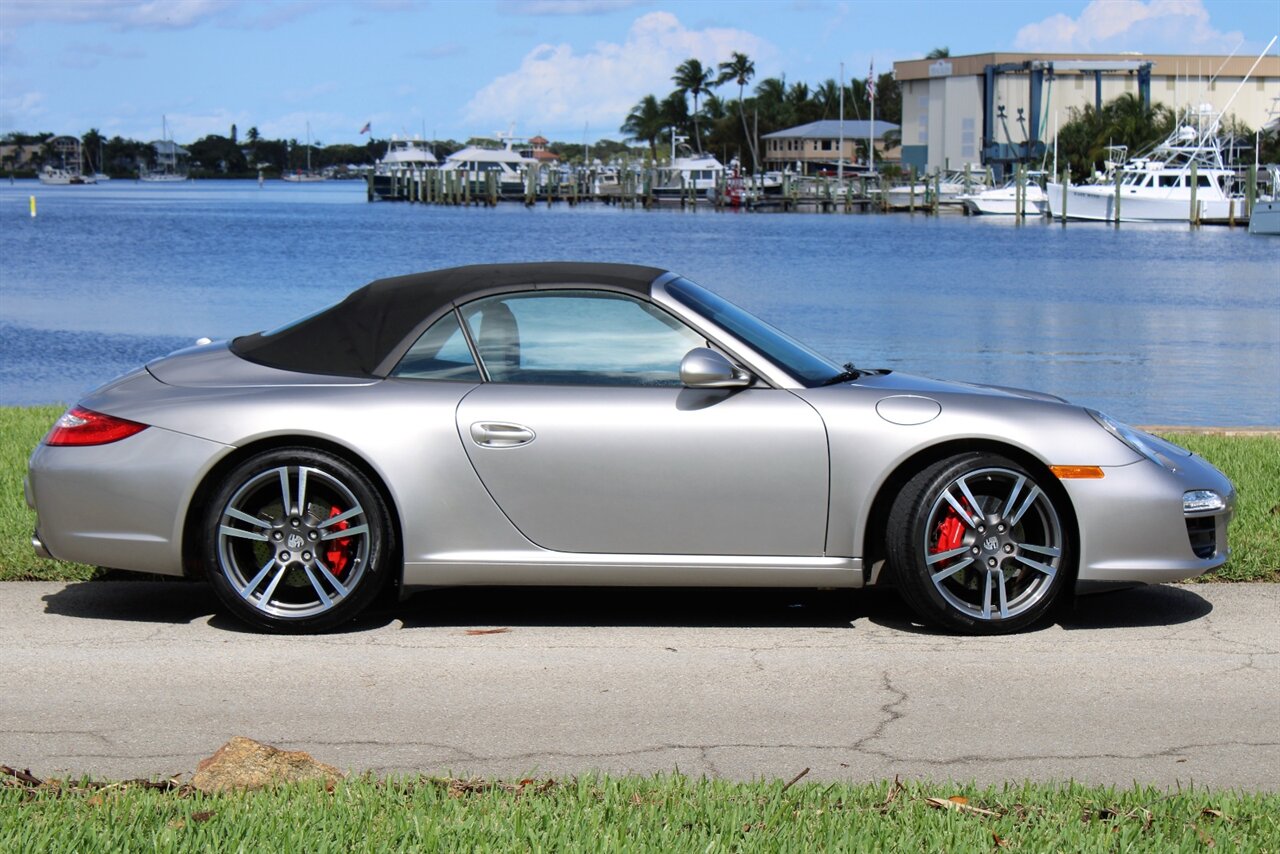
[871, 141]
[840, 154]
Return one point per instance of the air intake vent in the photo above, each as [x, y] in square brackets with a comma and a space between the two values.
[1202, 531]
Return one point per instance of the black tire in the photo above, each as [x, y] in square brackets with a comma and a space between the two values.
[274, 546]
[994, 571]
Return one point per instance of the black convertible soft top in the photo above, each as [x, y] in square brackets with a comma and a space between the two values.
[354, 337]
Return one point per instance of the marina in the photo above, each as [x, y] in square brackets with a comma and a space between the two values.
[1184, 179]
[1155, 323]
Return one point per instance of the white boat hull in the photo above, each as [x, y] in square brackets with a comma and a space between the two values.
[1097, 202]
[63, 177]
[1265, 218]
[1004, 202]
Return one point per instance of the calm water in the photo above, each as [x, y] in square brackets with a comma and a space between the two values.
[1155, 324]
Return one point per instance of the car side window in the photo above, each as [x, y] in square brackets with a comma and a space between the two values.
[440, 353]
[578, 338]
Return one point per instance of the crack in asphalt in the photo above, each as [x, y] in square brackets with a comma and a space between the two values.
[704, 749]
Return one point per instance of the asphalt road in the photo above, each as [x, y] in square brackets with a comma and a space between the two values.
[1166, 685]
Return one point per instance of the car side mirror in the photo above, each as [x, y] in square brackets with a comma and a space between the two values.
[702, 367]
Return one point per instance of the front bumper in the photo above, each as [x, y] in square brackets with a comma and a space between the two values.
[1133, 529]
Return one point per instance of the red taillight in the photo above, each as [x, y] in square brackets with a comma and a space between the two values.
[80, 426]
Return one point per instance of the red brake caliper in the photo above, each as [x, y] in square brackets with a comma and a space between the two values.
[339, 553]
[950, 533]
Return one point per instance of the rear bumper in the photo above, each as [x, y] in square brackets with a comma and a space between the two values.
[120, 505]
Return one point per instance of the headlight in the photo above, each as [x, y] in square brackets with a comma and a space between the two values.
[1154, 448]
[1202, 501]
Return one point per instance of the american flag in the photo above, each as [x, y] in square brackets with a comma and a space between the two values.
[871, 81]
[367, 126]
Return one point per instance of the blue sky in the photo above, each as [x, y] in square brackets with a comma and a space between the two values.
[459, 68]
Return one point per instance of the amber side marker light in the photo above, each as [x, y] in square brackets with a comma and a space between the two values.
[1077, 472]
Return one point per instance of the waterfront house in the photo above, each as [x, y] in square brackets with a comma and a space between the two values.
[816, 147]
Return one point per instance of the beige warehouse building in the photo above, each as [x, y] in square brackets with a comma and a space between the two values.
[989, 108]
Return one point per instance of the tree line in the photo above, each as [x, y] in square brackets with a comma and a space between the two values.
[213, 155]
[233, 156]
[731, 126]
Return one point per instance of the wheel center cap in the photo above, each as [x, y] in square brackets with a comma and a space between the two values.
[990, 544]
[295, 541]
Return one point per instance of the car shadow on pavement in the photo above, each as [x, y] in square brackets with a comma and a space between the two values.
[134, 601]
[622, 606]
[1137, 607]
[179, 602]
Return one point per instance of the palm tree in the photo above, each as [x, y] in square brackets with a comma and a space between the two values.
[714, 107]
[90, 146]
[1128, 121]
[771, 101]
[693, 79]
[675, 112]
[938, 53]
[827, 97]
[741, 69]
[645, 123]
[800, 109]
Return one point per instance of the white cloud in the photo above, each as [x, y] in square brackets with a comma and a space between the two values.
[1154, 26]
[188, 127]
[124, 14]
[155, 14]
[21, 111]
[325, 127]
[555, 88]
[568, 7]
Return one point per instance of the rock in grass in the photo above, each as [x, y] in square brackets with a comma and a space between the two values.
[243, 763]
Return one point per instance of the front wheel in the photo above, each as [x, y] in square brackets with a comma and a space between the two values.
[978, 544]
[296, 540]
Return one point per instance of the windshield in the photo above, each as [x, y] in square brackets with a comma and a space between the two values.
[787, 353]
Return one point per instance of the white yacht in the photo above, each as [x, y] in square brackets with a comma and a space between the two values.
[1158, 187]
[412, 153]
[1003, 201]
[406, 157]
[700, 174]
[950, 187]
[67, 151]
[477, 162]
[169, 168]
[58, 175]
[1265, 217]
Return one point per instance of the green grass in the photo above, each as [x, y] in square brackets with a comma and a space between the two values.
[1252, 463]
[661, 814]
[21, 429]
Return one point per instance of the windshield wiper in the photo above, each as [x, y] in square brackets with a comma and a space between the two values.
[849, 374]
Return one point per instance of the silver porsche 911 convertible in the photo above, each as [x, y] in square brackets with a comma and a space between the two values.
[601, 424]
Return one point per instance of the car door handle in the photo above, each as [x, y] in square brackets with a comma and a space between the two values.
[499, 434]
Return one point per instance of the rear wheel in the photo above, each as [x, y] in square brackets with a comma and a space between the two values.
[978, 545]
[297, 540]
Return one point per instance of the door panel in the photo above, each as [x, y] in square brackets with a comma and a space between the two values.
[652, 470]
